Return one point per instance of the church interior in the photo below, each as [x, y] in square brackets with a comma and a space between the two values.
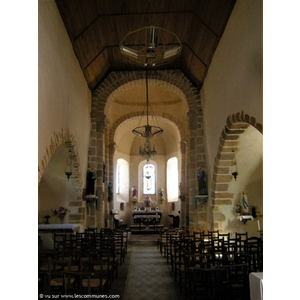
[150, 124]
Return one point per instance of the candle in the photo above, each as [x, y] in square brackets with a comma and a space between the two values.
[258, 225]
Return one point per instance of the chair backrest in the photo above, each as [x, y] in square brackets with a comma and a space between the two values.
[58, 238]
[91, 269]
[90, 230]
[253, 243]
[242, 236]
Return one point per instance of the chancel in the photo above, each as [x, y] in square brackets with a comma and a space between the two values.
[151, 105]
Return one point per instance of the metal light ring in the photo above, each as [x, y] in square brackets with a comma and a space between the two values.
[141, 131]
[142, 56]
[145, 28]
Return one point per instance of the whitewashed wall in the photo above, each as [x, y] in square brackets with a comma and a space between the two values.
[64, 97]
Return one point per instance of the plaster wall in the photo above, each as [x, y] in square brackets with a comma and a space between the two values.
[64, 97]
[54, 189]
[235, 79]
[250, 180]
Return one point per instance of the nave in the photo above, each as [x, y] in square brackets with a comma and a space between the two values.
[145, 274]
[172, 265]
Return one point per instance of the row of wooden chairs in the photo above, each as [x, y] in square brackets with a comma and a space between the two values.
[210, 264]
[82, 261]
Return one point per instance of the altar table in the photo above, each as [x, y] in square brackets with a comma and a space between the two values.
[139, 215]
[58, 228]
[256, 285]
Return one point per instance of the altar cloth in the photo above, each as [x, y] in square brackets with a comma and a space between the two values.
[58, 227]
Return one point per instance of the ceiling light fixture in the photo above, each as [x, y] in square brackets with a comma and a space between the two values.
[151, 46]
[147, 131]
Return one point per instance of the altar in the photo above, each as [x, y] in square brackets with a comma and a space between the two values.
[46, 232]
[147, 216]
[45, 228]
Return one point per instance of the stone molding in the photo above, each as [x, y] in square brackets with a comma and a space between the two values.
[236, 124]
[67, 140]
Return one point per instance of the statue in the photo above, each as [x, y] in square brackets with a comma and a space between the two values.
[202, 188]
[245, 203]
[134, 192]
[90, 182]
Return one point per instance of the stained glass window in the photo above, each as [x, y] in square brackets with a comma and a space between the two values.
[148, 179]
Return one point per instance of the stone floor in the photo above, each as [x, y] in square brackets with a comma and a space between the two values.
[145, 275]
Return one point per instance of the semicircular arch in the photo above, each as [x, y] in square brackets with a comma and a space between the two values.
[236, 124]
[68, 141]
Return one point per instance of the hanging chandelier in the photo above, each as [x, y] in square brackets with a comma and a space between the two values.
[146, 152]
[147, 131]
[151, 46]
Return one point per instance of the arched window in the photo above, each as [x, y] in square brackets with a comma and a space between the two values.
[149, 178]
[122, 180]
[118, 178]
[172, 179]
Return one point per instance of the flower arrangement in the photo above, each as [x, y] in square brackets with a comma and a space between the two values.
[61, 212]
[147, 201]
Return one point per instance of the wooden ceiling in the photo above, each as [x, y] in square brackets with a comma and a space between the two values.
[96, 28]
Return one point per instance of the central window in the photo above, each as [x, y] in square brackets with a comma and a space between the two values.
[149, 179]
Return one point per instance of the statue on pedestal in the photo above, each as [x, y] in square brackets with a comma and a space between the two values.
[202, 187]
[110, 192]
[90, 182]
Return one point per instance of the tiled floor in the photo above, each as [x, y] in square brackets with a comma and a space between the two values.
[145, 275]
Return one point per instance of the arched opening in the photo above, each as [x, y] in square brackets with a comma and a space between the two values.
[172, 179]
[118, 108]
[122, 180]
[246, 140]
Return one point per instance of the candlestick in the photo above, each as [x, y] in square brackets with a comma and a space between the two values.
[258, 225]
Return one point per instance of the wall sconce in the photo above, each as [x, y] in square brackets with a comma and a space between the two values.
[234, 170]
[68, 170]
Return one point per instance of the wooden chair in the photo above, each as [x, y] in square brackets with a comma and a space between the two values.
[243, 237]
[119, 245]
[90, 230]
[205, 283]
[225, 237]
[58, 276]
[192, 259]
[235, 282]
[254, 250]
[214, 235]
[104, 253]
[91, 276]
[161, 241]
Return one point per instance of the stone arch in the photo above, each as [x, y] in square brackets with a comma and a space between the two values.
[67, 140]
[135, 115]
[102, 147]
[236, 124]
[169, 79]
